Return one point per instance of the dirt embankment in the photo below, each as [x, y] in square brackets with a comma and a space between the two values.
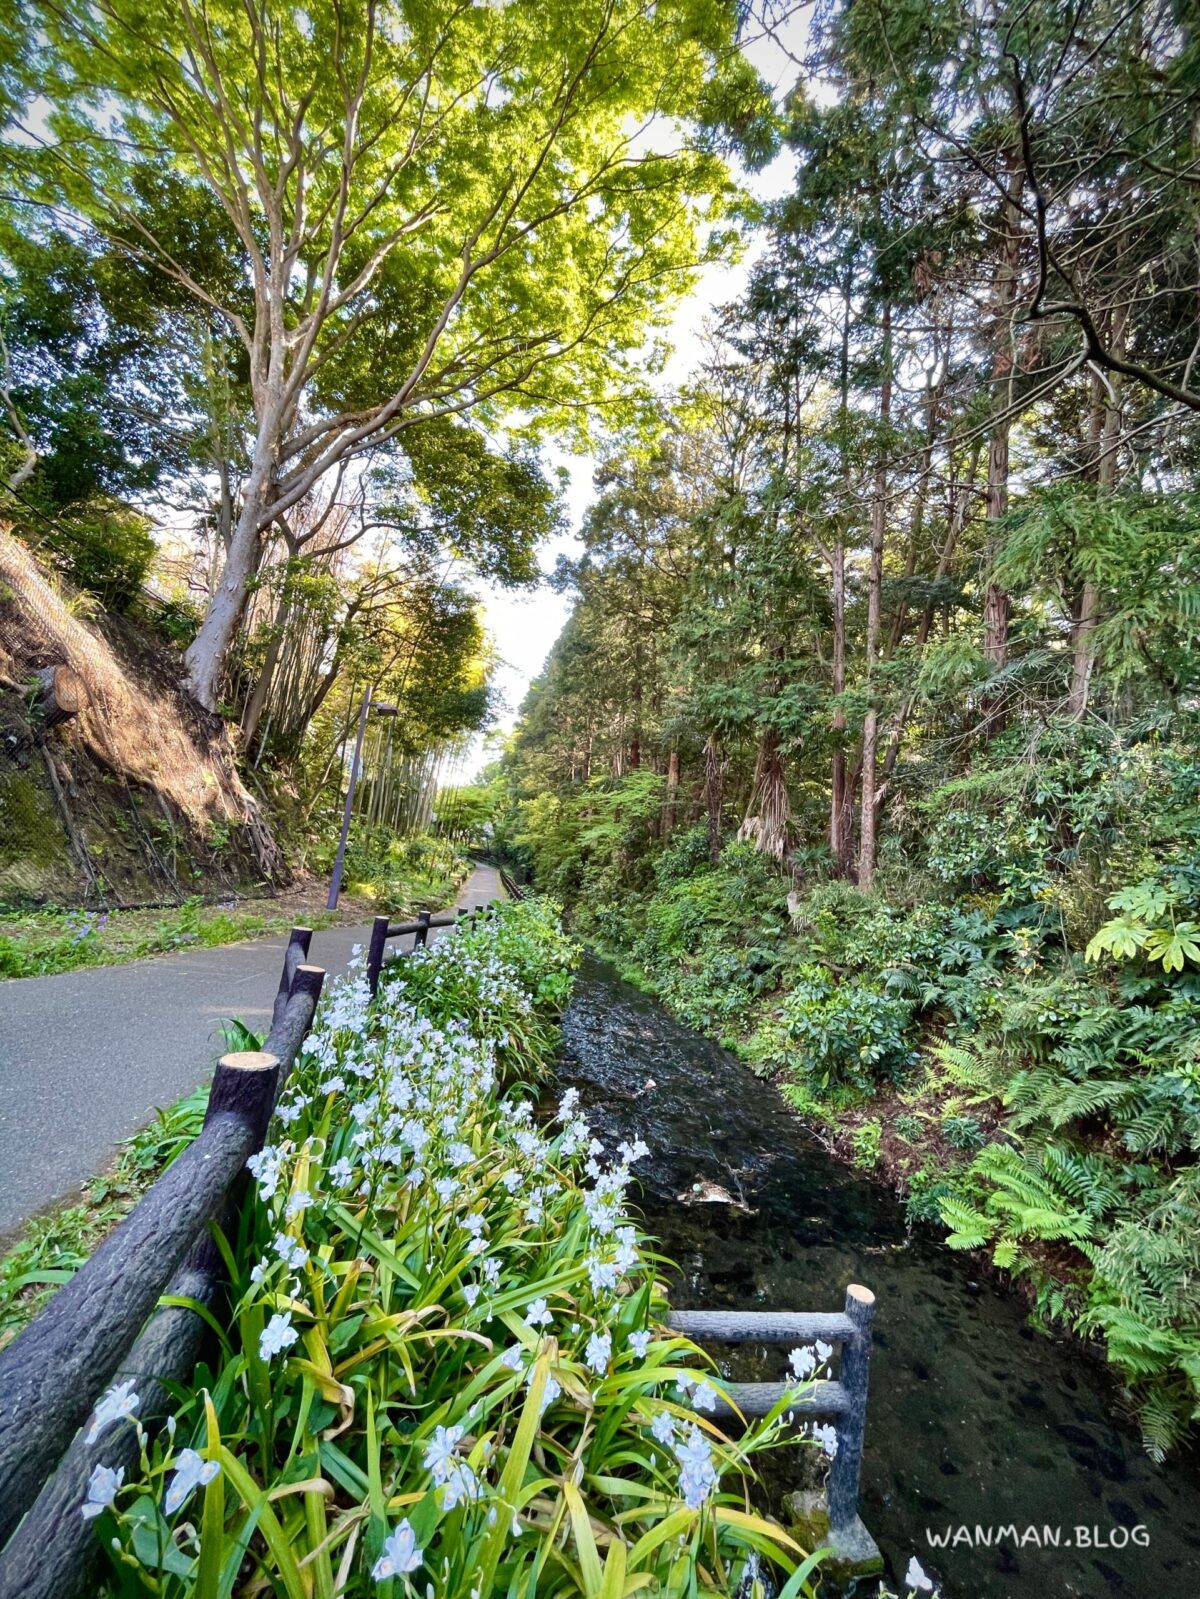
[115, 786]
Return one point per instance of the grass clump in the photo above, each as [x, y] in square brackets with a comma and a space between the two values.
[43, 942]
[445, 1369]
[53, 1247]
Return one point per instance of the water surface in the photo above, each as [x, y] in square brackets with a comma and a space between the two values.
[973, 1417]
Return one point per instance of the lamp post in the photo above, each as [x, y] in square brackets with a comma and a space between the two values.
[380, 709]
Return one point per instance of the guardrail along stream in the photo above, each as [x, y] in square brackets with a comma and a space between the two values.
[975, 1420]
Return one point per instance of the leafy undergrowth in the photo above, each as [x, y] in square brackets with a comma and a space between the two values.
[53, 1247]
[1024, 1064]
[397, 875]
[445, 1369]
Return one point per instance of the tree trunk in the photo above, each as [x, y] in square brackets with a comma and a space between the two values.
[841, 841]
[1107, 408]
[205, 655]
[712, 796]
[959, 511]
[870, 809]
[258, 699]
[841, 829]
[766, 822]
[668, 822]
[1004, 299]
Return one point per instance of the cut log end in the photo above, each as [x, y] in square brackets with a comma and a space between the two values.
[249, 1060]
[60, 694]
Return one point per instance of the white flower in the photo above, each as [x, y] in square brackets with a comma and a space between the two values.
[823, 1350]
[102, 1489]
[400, 1554]
[627, 1248]
[290, 1251]
[697, 1475]
[512, 1358]
[915, 1576]
[803, 1363]
[460, 1487]
[599, 1352]
[191, 1472]
[440, 1452]
[277, 1335]
[119, 1401]
[826, 1436]
[537, 1315]
[663, 1427]
[704, 1396]
[266, 1167]
[639, 1342]
[471, 1294]
[602, 1274]
[551, 1392]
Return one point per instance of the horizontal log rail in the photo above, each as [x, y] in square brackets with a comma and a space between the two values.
[749, 1401]
[383, 930]
[107, 1323]
[761, 1326]
[512, 888]
[843, 1400]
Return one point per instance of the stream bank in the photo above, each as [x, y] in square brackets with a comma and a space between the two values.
[975, 1421]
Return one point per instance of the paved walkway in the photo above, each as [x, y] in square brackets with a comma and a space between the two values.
[86, 1057]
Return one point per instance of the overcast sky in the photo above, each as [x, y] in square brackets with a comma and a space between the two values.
[524, 626]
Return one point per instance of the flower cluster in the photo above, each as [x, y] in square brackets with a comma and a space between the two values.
[428, 1252]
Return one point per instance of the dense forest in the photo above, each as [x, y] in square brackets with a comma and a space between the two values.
[871, 741]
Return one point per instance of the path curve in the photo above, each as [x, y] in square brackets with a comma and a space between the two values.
[86, 1057]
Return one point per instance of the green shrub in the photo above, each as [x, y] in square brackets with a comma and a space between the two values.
[838, 1035]
[963, 1132]
[865, 1141]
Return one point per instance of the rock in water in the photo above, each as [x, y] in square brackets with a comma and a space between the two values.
[708, 1193]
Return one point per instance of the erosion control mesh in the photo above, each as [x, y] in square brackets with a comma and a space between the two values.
[133, 721]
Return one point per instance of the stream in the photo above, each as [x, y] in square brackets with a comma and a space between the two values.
[974, 1419]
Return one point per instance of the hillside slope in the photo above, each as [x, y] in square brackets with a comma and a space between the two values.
[115, 787]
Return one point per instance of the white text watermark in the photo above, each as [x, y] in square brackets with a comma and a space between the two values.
[1044, 1537]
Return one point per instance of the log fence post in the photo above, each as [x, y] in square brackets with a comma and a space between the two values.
[846, 1468]
[843, 1400]
[297, 948]
[420, 937]
[379, 933]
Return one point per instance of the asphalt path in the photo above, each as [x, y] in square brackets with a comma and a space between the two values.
[86, 1057]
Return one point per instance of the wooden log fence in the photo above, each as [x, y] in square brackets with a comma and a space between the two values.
[843, 1400]
[103, 1325]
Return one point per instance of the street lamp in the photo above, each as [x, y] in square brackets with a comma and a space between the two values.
[380, 709]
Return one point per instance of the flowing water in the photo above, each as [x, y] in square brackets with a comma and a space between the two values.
[974, 1419]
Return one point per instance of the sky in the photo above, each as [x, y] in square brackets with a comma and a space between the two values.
[523, 626]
